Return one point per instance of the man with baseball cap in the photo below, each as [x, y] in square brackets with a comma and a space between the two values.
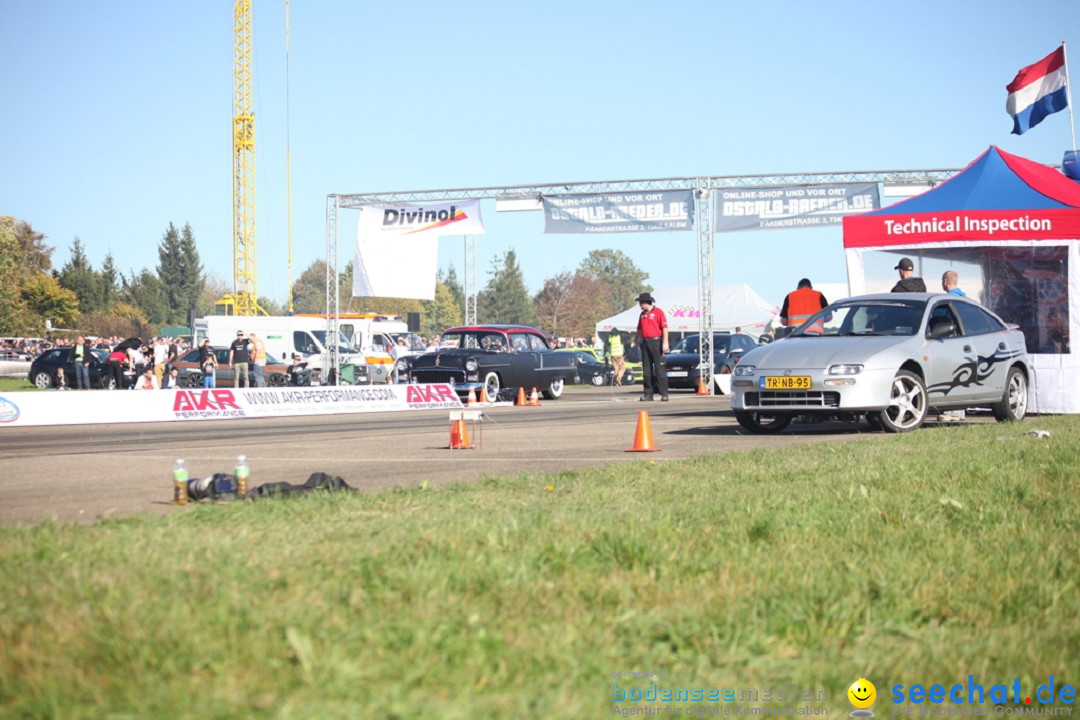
[652, 335]
[908, 283]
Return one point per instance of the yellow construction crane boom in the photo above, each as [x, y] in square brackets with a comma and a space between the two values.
[244, 298]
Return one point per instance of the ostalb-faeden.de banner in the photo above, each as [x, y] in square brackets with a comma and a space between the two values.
[86, 407]
[791, 207]
[620, 212]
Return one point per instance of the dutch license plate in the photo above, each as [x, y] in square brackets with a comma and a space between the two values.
[677, 373]
[794, 382]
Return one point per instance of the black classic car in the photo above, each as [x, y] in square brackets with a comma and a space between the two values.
[682, 362]
[500, 358]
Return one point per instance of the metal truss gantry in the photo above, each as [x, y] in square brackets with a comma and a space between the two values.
[703, 187]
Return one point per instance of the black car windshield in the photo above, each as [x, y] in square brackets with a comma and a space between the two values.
[474, 340]
[691, 344]
[865, 317]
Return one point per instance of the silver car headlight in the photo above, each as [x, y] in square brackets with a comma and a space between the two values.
[845, 369]
[402, 365]
[470, 365]
[745, 369]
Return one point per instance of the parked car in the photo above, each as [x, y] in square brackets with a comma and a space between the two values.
[592, 371]
[631, 360]
[496, 357]
[683, 362]
[43, 369]
[890, 359]
[191, 372]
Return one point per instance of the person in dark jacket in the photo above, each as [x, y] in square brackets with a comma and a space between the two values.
[908, 283]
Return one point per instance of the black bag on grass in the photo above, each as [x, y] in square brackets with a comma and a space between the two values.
[318, 481]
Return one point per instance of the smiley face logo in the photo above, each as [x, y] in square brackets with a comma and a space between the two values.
[862, 694]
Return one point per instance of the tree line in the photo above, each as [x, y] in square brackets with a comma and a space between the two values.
[104, 301]
[568, 304]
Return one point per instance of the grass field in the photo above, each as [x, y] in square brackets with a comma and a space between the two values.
[914, 558]
[16, 384]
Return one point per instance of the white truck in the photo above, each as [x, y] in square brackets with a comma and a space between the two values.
[374, 336]
[283, 336]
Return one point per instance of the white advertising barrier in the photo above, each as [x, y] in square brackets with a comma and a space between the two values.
[80, 407]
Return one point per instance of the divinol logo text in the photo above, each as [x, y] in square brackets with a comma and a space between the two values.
[421, 218]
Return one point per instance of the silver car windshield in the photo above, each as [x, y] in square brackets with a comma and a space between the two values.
[865, 317]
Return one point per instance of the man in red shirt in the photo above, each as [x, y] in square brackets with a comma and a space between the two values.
[652, 335]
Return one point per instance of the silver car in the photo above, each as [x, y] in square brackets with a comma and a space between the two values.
[888, 358]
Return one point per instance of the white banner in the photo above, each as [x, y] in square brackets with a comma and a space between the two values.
[397, 250]
[81, 407]
[453, 218]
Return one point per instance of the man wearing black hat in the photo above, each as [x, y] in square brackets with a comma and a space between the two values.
[908, 283]
[652, 335]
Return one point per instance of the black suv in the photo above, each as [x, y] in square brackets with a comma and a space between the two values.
[43, 369]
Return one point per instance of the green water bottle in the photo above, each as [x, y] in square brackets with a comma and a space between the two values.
[180, 480]
[243, 472]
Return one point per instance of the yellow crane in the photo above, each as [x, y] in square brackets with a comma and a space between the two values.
[244, 298]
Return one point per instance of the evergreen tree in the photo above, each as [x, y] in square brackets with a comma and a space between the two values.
[170, 271]
[505, 298]
[192, 269]
[454, 286]
[110, 282]
[441, 313]
[80, 277]
[147, 293]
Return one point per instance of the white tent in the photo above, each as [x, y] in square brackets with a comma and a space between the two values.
[733, 306]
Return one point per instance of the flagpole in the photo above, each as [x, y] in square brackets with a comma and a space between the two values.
[1068, 94]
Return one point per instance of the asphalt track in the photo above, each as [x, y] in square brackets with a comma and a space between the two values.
[80, 473]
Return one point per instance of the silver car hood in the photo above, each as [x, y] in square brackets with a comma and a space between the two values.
[820, 352]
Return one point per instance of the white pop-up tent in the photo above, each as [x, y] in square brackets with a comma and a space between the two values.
[734, 306]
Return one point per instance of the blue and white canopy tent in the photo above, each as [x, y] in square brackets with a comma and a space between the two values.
[1010, 228]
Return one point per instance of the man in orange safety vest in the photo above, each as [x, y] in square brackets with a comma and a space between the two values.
[800, 304]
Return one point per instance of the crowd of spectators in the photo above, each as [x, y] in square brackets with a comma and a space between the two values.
[128, 365]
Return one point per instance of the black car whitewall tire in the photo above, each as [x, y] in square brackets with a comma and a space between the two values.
[555, 389]
[1013, 405]
[762, 423]
[493, 384]
[597, 379]
[907, 403]
[43, 380]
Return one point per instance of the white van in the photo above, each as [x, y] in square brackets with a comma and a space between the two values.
[283, 335]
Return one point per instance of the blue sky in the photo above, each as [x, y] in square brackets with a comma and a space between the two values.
[118, 114]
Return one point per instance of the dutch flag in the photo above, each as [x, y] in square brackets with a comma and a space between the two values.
[1037, 91]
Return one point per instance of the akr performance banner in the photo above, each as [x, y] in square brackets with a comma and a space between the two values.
[792, 207]
[657, 211]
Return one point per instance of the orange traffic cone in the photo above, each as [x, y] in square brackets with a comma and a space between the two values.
[472, 397]
[702, 391]
[643, 441]
[521, 398]
[534, 398]
[484, 399]
[459, 435]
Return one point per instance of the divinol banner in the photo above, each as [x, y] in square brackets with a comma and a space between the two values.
[661, 210]
[791, 207]
[453, 218]
[397, 246]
